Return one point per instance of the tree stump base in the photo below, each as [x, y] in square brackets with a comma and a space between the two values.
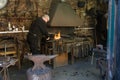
[39, 74]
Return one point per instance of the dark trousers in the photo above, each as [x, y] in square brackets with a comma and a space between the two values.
[34, 42]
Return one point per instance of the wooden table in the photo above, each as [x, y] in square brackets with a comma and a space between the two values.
[19, 37]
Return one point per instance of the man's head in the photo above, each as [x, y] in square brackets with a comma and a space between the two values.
[46, 18]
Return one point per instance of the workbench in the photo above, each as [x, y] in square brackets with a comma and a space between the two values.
[12, 42]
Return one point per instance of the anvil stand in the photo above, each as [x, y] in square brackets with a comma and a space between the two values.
[5, 63]
[39, 71]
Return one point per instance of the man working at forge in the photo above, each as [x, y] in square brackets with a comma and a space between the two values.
[37, 31]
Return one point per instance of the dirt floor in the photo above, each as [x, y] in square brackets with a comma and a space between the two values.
[80, 70]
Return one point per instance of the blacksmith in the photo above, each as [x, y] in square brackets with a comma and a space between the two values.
[37, 31]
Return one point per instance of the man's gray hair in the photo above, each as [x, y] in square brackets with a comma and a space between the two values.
[46, 17]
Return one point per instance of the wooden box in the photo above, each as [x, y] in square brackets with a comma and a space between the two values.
[60, 60]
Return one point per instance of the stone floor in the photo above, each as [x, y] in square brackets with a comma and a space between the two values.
[80, 70]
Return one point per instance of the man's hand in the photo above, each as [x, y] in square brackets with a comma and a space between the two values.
[48, 38]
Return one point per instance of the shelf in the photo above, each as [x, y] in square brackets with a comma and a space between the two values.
[5, 32]
[8, 52]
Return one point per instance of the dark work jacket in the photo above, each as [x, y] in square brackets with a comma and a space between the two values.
[37, 31]
[38, 27]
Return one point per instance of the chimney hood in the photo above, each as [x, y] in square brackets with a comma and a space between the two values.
[62, 14]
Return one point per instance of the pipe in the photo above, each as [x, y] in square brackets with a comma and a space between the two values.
[117, 72]
[111, 39]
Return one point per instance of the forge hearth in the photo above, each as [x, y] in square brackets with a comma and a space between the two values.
[68, 49]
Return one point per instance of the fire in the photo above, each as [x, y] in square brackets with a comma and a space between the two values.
[57, 36]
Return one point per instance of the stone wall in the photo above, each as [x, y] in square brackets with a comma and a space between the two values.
[23, 11]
